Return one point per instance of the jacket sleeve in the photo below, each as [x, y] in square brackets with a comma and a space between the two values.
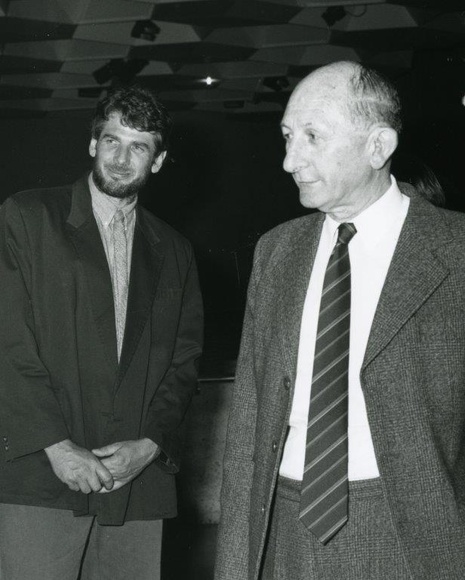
[30, 416]
[238, 465]
[172, 398]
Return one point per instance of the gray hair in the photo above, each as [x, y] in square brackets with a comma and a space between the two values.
[375, 99]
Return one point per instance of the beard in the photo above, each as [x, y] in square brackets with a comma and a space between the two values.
[119, 189]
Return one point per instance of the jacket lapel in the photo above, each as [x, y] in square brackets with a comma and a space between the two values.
[146, 265]
[85, 236]
[413, 276]
[294, 271]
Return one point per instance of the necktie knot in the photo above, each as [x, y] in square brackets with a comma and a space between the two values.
[346, 232]
[118, 218]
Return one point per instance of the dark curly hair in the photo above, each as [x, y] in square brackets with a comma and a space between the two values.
[139, 109]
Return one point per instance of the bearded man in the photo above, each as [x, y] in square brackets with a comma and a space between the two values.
[99, 342]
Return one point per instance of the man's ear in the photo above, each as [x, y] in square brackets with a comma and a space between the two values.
[159, 159]
[382, 144]
[93, 147]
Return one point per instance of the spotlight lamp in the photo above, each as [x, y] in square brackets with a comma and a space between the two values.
[333, 14]
[146, 30]
[210, 81]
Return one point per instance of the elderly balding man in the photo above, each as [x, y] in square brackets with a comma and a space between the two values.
[345, 456]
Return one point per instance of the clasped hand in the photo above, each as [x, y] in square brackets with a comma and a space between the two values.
[126, 459]
[100, 470]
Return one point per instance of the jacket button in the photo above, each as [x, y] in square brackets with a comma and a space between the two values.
[274, 446]
[287, 383]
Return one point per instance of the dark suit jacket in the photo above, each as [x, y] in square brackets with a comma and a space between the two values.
[413, 378]
[59, 375]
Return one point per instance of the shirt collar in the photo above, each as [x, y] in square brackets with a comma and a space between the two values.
[106, 206]
[377, 219]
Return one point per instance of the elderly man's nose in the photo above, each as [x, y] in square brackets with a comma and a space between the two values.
[294, 159]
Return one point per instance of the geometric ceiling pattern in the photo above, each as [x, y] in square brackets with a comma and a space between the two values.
[240, 55]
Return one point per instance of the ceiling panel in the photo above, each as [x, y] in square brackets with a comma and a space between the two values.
[47, 10]
[270, 35]
[120, 32]
[216, 13]
[436, 5]
[47, 80]
[19, 30]
[17, 65]
[65, 53]
[234, 70]
[376, 17]
[192, 52]
[15, 93]
[323, 3]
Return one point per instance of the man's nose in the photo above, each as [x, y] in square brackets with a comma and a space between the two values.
[295, 159]
[122, 155]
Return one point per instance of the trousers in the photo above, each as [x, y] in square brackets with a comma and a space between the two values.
[366, 548]
[38, 543]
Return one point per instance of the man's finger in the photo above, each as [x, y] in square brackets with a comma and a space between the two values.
[106, 450]
[95, 483]
[117, 485]
[105, 477]
[84, 486]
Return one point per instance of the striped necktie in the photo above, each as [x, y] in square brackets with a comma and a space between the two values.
[120, 276]
[324, 492]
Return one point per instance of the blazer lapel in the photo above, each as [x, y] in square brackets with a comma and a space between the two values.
[146, 266]
[85, 236]
[294, 271]
[413, 276]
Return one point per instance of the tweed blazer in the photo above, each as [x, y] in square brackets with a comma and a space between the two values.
[59, 373]
[413, 379]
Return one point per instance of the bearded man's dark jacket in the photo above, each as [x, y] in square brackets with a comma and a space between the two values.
[59, 373]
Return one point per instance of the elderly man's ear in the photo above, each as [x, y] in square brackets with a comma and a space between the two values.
[382, 142]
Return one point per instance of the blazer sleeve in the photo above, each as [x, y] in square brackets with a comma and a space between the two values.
[238, 465]
[172, 398]
[30, 416]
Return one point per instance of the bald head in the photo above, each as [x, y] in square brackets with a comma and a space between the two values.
[335, 77]
[365, 96]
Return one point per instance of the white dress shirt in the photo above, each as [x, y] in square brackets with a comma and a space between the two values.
[370, 250]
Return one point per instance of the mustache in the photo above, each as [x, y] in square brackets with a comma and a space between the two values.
[117, 167]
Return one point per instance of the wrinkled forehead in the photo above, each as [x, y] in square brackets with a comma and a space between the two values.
[316, 102]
